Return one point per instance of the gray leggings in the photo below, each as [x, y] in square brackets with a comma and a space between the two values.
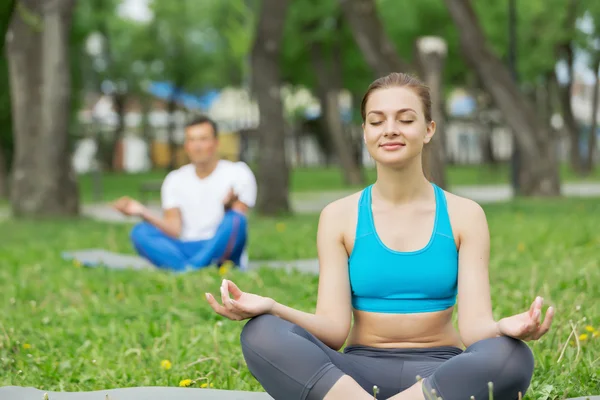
[292, 364]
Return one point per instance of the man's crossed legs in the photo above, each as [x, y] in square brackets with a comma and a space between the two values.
[166, 252]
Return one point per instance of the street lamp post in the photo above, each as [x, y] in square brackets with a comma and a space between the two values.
[512, 63]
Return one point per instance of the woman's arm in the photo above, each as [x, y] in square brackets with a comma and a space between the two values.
[331, 321]
[475, 319]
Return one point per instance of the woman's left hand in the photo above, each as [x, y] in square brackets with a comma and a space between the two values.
[527, 325]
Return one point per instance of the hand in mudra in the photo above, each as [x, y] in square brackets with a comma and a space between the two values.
[129, 206]
[237, 305]
[527, 325]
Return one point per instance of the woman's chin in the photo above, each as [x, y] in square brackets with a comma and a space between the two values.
[391, 160]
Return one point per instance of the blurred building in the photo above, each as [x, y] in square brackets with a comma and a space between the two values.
[145, 144]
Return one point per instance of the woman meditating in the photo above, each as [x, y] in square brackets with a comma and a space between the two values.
[397, 256]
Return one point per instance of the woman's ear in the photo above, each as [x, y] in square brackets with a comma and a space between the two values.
[430, 132]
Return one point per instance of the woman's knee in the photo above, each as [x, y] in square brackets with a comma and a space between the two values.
[510, 362]
[261, 339]
[260, 331]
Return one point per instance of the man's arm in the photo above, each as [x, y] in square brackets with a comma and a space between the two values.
[170, 223]
[244, 189]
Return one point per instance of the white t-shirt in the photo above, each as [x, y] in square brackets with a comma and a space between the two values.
[200, 201]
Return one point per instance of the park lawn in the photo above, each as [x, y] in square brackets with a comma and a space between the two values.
[307, 180]
[69, 328]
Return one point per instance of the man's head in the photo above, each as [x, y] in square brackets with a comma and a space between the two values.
[201, 140]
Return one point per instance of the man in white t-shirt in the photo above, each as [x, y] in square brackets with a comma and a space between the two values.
[205, 205]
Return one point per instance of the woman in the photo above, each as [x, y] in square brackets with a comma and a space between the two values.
[397, 256]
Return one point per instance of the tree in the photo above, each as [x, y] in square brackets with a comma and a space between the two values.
[43, 182]
[383, 58]
[565, 50]
[431, 54]
[317, 61]
[539, 173]
[273, 172]
[376, 46]
[6, 12]
[589, 41]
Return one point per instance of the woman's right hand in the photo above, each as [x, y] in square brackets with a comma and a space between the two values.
[242, 305]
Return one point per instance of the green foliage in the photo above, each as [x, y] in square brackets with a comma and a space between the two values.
[202, 44]
[69, 328]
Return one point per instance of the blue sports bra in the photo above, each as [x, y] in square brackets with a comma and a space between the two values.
[387, 281]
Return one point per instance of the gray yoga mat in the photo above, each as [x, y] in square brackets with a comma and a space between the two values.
[103, 258]
[147, 393]
[138, 393]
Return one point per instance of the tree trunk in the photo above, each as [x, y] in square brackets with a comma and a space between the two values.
[589, 165]
[378, 49]
[147, 130]
[570, 125]
[43, 180]
[171, 109]
[329, 86]
[273, 173]
[539, 165]
[3, 176]
[117, 145]
[564, 50]
[5, 24]
[431, 54]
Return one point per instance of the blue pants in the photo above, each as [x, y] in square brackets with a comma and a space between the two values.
[166, 252]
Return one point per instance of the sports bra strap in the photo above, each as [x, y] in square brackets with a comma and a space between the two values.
[444, 227]
[363, 225]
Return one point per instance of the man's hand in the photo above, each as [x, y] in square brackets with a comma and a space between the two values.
[129, 206]
[230, 199]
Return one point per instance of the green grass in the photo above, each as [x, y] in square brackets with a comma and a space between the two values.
[69, 328]
[313, 179]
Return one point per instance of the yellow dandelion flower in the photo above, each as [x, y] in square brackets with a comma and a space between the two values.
[583, 337]
[280, 227]
[225, 267]
[205, 385]
[521, 247]
[166, 364]
[589, 328]
[186, 383]
[26, 346]
[596, 334]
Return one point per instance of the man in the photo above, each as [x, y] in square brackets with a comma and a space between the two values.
[205, 205]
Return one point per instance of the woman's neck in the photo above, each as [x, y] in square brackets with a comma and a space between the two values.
[402, 185]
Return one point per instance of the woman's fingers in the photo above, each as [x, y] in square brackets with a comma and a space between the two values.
[536, 305]
[235, 291]
[219, 309]
[545, 327]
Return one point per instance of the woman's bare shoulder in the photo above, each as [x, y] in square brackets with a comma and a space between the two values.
[464, 212]
[342, 206]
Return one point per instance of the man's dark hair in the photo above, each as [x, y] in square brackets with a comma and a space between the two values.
[203, 119]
